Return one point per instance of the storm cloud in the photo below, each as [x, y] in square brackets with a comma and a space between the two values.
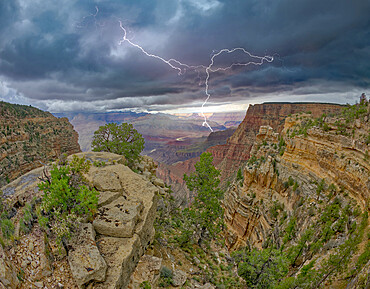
[65, 55]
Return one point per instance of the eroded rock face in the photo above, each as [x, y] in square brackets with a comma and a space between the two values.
[236, 151]
[119, 218]
[230, 156]
[124, 223]
[147, 269]
[307, 160]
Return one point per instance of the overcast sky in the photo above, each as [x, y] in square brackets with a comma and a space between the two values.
[65, 55]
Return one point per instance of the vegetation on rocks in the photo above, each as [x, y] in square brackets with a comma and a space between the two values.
[120, 139]
[197, 230]
[67, 198]
[6, 224]
[30, 137]
[205, 213]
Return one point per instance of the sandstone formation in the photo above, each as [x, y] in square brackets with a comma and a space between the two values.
[104, 253]
[30, 137]
[314, 168]
[236, 151]
[340, 160]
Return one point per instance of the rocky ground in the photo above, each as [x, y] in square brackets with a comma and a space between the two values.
[102, 254]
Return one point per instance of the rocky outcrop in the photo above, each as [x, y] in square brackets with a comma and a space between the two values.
[294, 172]
[30, 137]
[104, 253]
[8, 275]
[84, 258]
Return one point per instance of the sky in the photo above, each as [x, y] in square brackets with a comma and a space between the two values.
[66, 55]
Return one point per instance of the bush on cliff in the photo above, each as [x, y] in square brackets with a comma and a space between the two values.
[120, 139]
[261, 268]
[67, 198]
[205, 216]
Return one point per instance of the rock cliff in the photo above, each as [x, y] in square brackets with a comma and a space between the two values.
[236, 151]
[102, 253]
[230, 156]
[306, 187]
[30, 137]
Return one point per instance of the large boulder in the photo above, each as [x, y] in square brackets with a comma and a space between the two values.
[147, 269]
[121, 255]
[124, 227]
[179, 278]
[84, 257]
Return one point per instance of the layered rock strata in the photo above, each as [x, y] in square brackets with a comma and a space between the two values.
[236, 151]
[30, 137]
[293, 170]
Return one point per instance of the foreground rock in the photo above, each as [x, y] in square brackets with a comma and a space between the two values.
[125, 220]
[102, 254]
[84, 257]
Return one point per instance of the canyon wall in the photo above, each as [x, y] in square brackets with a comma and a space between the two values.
[235, 152]
[30, 137]
[303, 171]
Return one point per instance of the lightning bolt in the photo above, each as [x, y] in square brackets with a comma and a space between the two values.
[181, 67]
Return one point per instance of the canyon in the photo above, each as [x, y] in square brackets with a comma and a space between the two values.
[303, 188]
[235, 152]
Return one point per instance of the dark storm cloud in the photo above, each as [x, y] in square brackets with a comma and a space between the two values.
[61, 52]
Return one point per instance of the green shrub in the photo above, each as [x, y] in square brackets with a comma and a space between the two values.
[205, 214]
[145, 285]
[67, 198]
[7, 228]
[290, 230]
[6, 224]
[295, 186]
[239, 175]
[166, 275]
[26, 222]
[261, 268]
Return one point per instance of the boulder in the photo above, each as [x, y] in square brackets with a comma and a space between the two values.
[105, 179]
[84, 257]
[179, 278]
[158, 182]
[147, 269]
[119, 218]
[107, 197]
